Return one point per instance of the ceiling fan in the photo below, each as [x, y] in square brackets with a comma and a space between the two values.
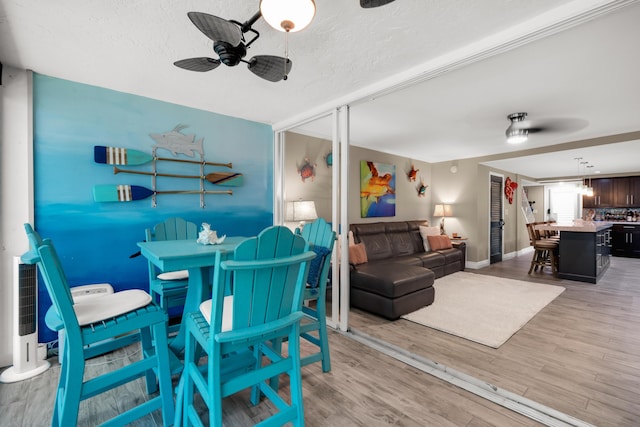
[230, 45]
[374, 3]
[520, 128]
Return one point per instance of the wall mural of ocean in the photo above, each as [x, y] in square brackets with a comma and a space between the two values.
[95, 240]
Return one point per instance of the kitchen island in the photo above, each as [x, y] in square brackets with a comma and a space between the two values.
[584, 251]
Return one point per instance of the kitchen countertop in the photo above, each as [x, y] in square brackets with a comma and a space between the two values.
[577, 226]
[618, 222]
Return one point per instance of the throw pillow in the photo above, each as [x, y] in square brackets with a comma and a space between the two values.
[439, 242]
[316, 265]
[428, 231]
[357, 254]
[350, 239]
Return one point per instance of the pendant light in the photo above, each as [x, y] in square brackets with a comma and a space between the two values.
[288, 15]
[580, 188]
[589, 188]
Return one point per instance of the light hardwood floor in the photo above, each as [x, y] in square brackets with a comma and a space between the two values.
[579, 355]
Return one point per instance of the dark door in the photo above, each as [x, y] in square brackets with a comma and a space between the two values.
[497, 223]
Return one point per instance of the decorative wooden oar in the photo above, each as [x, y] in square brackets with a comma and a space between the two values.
[227, 179]
[128, 193]
[126, 156]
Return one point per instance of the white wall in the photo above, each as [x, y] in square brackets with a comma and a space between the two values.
[16, 184]
[297, 148]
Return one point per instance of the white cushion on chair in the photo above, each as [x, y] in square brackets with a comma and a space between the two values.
[227, 312]
[110, 305]
[95, 290]
[174, 275]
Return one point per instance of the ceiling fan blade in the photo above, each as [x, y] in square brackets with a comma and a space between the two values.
[559, 125]
[217, 29]
[270, 67]
[198, 64]
[367, 4]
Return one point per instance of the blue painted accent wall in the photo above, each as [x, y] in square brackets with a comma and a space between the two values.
[95, 240]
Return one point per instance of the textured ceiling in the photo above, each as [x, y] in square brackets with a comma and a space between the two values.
[586, 73]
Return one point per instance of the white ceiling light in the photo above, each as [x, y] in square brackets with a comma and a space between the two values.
[516, 135]
[288, 15]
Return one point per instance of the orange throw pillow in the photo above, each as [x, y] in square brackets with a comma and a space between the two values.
[357, 254]
[439, 242]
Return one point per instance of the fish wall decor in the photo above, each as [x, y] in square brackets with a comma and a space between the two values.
[178, 143]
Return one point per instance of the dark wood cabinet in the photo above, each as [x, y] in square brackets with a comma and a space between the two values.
[584, 256]
[634, 190]
[625, 240]
[626, 192]
[602, 194]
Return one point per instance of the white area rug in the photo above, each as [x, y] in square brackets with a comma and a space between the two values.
[484, 309]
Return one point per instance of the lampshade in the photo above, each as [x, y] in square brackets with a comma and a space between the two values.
[301, 210]
[442, 210]
[288, 15]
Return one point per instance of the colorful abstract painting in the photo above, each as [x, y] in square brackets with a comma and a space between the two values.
[377, 189]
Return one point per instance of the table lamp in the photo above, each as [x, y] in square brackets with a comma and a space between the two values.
[301, 210]
[443, 211]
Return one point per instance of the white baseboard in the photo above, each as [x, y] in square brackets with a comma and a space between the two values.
[474, 265]
[525, 251]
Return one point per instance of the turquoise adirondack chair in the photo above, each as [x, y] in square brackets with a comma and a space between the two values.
[97, 326]
[169, 288]
[321, 240]
[268, 275]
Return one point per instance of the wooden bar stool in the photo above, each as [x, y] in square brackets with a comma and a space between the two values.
[545, 251]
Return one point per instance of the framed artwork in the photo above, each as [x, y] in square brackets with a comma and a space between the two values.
[377, 189]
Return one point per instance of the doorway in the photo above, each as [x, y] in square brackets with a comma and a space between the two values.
[496, 221]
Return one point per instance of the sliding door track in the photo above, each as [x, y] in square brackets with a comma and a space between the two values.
[534, 410]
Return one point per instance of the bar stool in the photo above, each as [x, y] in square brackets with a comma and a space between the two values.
[545, 251]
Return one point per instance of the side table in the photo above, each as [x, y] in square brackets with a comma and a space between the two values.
[461, 243]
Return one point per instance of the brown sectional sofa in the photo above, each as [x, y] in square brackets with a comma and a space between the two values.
[398, 275]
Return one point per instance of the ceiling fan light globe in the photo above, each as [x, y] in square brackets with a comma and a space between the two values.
[288, 15]
[517, 136]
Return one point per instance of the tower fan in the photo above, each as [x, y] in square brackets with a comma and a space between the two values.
[25, 325]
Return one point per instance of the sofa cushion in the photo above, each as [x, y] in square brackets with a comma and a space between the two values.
[357, 254]
[451, 255]
[391, 280]
[432, 259]
[401, 243]
[391, 309]
[428, 231]
[413, 259]
[439, 242]
[378, 246]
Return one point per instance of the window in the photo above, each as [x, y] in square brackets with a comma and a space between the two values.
[564, 203]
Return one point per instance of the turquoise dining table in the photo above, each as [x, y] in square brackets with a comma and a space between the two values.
[173, 255]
